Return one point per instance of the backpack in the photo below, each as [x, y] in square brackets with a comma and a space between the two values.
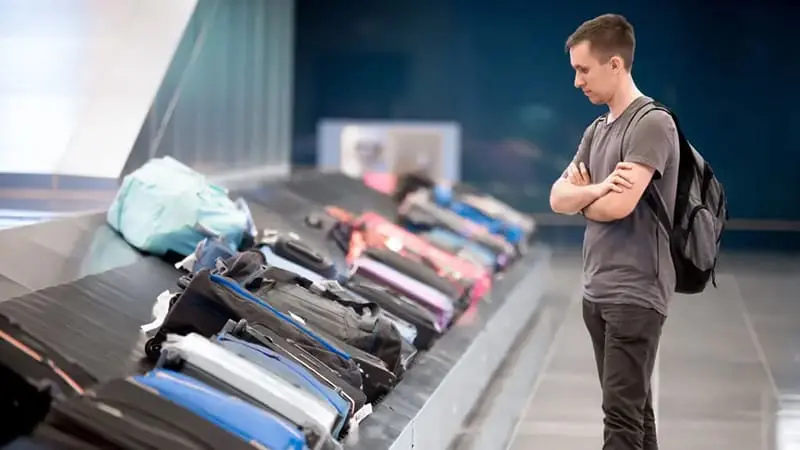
[700, 216]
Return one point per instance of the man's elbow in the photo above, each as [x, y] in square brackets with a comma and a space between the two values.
[557, 204]
[554, 204]
[557, 201]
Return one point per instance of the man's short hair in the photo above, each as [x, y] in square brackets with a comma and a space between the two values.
[608, 35]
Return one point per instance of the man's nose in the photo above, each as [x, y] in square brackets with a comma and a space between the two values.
[579, 81]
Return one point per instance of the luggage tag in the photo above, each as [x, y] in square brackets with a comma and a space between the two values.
[361, 414]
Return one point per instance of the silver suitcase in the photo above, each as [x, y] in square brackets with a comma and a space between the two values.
[211, 363]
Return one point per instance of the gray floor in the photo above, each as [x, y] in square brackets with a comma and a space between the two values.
[728, 374]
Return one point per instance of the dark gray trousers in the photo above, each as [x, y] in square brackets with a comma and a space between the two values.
[625, 340]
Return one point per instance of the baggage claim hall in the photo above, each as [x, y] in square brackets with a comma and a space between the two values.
[429, 225]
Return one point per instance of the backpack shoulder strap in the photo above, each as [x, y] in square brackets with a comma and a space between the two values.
[651, 196]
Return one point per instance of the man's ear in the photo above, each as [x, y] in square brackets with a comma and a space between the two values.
[617, 64]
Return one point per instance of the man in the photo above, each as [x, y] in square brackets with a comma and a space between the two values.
[628, 272]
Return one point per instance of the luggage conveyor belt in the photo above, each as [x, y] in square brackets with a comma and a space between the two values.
[79, 288]
[51, 253]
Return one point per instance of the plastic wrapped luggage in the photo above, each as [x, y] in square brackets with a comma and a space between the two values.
[162, 409]
[199, 358]
[31, 375]
[288, 370]
[165, 206]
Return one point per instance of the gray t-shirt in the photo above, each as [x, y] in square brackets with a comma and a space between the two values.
[628, 260]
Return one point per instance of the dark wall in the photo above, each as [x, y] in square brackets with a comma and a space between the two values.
[499, 68]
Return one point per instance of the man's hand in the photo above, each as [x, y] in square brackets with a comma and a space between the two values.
[619, 180]
[574, 192]
[578, 175]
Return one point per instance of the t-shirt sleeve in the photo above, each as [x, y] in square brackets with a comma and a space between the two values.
[582, 155]
[653, 142]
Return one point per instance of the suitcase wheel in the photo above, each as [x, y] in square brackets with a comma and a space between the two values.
[152, 348]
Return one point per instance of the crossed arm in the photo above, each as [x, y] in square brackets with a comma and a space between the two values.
[653, 145]
[611, 199]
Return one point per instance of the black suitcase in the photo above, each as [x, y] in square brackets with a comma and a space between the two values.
[393, 302]
[300, 252]
[263, 336]
[428, 330]
[204, 307]
[422, 272]
[326, 307]
[121, 414]
[31, 376]
[211, 300]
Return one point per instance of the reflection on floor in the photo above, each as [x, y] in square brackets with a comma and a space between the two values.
[728, 374]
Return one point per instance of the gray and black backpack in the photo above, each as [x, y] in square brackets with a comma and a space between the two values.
[701, 213]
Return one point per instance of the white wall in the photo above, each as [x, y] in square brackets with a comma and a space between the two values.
[77, 78]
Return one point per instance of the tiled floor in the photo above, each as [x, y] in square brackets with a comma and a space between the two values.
[728, 374]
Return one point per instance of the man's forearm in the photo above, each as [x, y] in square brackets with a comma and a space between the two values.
[604, 209]
[567, 198]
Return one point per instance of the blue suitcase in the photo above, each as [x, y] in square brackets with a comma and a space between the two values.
[236, 416]
[289, 371]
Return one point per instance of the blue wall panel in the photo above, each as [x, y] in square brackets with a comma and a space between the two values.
[499, 68]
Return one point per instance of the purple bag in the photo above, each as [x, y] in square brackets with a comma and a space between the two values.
[428, 297]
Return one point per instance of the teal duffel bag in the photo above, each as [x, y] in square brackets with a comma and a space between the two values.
[166, 206]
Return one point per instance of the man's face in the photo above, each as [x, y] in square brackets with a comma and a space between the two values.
[598, 80]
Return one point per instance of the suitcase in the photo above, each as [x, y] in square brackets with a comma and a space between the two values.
[211, 300]
[426, 326]
[462, 247]
[419, 268]
[381, 233]
[294, 249]
[407, 330]
[419, 211]
[205, 306]
[323, 305]
[266, 338]
[31, 376]
[163, 409]
[498, 220]
[435, 301]
[208, 256]
[277, 209]
[197, 357]
[289, 371]
[407, 316]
